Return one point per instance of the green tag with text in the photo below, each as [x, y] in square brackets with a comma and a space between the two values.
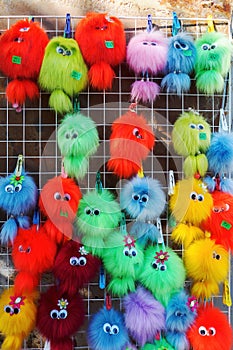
[226, 225]
[109, 44]
[76, 75]
[202, 136]
[16, 59]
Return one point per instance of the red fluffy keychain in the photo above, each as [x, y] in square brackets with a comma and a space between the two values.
[59, 201]
[131, 141]
[102, 42]
[21, 55]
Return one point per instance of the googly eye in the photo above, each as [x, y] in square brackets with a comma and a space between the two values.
[133, 252]
[54, 314]
[60, 50]
[97, 28]
[193, 196]
[88, 211]
[28, 250]
[8, 309]
[155, 265]
[200, 126]
[144, 198]
[96, 212]
[68, 52]
[18, 188]
[184, 46]
[67, 135]
[75, 135]
[153, 43]
[192, 126]
[57, 196]
[177, 45]
[67, 197]
[136, 133]
[62, 314]
[126, 251]
[9, 189]
[200, 197]
[213, 46]
[135, 196]
[74, 261]
[24, 29]
[202, 331]
[115, 329]
[20, 249]
[216, 210]
[216, 256]
[227, 207]
[16, 310]
[144, 43]
[178, 313]
[163, 267]
[107, 328]
[205, 47]
[82, 261]
[212, 331]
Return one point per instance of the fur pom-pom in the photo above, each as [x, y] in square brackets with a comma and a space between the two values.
[162, 273]
[209, 82]
[186, 234]
[9, 231]
[107, 331]
[145, 91]
[144, 316]
[17, 91]
[220, 153]
[131, 141]
[74, 267]
[176, 83]
[60, 102]
[195, 165]
[211, 330]
[227, 185]
[145, 233]
[143, 198]
[26, 282]
[101, 76]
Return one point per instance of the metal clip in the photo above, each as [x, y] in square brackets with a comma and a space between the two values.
[171, 182]
[159, 227]
[223, 126]
[19, 165]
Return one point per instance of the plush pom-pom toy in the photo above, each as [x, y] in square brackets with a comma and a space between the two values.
[131, 141]
[146, 55]
[101, 39]
[77, 139]
[211, 330]
[98, 215]
[22, 52]
[162, 273]
[122, 259]
[18, 197]
[144, 316]
[59, 317]
[160, 344]
[59, 199]
[63, 73]
[107, 331]
[180, 64]
[207, 264]
[213, 61]
[145, 233]
[191, 139]
[17, 317]
[74, 267]
[33, 253]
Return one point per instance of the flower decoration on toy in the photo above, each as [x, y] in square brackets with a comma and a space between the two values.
[181, 58]
[77, 139]
[74, 267]
[17, 317]
[107, 331]
[59, 200]
[149, 313]
[213, 62]
[210, 330]
[22, 52]
[191, 139]
[59, 318]
[190, 204]
[101, 39]
[18, 197]
[131, 141]
[162, 272]
[206, 264]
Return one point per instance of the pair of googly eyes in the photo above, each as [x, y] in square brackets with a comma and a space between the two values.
[104, 27]
[196, 197]
[62, 51]
[159, 266]
[12, 189]
[151, 43]
[216, 256]
[75, 261]
[197, 126]
[10, 310]
[136, 133]
[180, 46]
[206, 47]
[204, 332]
[111, 329]
[91, 212]
[179, 314]
[142, 199]
[130, 252]
[22, 250]
[220, 210]
[59, 315]
[71, 135]
[57, 196]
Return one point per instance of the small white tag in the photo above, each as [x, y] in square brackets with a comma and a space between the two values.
[171, 182]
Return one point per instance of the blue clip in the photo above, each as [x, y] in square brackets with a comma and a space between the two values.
[149, 24]
[36, 218]
[102, 279]
[98, 183]
[67, 30]
[123, 225]
[176, 24]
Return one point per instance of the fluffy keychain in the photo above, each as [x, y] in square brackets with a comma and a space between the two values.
[180, 64]
[131, 141]
[17, 317]
[181, 312]
[33, 253]
[59, 200]
[190, 204]
[213, 62]
[18, 197]
[162, 272]
[211, 330]
[78, 139]
[102, 41]
[22, 52]
[206, 264]
[74, 267]
[144, 316]
[107, 331]
[191, 139]
[160, 344]
[146, 56]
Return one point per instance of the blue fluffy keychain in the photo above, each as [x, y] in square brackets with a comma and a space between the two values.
[18, 196]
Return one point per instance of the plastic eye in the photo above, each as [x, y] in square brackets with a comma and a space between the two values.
[178, 314]
[60, 50]
[216, 210]
[68, 52]
[155, 265]
[88, 211]
[75, 135]
[25, 29]
[28, 250]
[135, 196]
[82, 261]
[104, 27]
[54, 314]
[20, 249]
[57, 196]
[213, 46]
[216, 256]
[192, 126]
[163, 267]
[177, 45]
[16, 310]
[107, 328]
[126, 251]
[200, 197]
[67, 135]
[133, 252]
[200, 126]
[74, 261]
[97, 28]
[205, 47]
[9, 189]
[144, 198]
[136, 133]
[62, 314]
[153, 43]
[227, 207]
[193, 196]
[8, 309]
[115, 329]
[145, 43]
[202, 331]
[96, 212]
[184, 46]
[67, 197]
[212, 331]
[18, 188]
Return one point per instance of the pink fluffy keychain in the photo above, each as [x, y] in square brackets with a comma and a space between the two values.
[21, 55]
[146, 56]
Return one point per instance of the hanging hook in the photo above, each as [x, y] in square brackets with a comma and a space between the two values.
[19, 165]
[149, 24]
[67, 30]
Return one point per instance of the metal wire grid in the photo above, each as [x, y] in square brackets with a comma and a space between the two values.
[33, 132]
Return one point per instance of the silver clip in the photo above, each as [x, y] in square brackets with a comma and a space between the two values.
[171, 182]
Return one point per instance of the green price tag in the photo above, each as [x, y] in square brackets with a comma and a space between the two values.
[226, 225]
[16, 59]
[202, 136]
[187, 53]
[76, 75]
[109, 44]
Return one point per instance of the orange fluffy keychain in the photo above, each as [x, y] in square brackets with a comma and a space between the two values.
[21, 55]
[102, 42]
